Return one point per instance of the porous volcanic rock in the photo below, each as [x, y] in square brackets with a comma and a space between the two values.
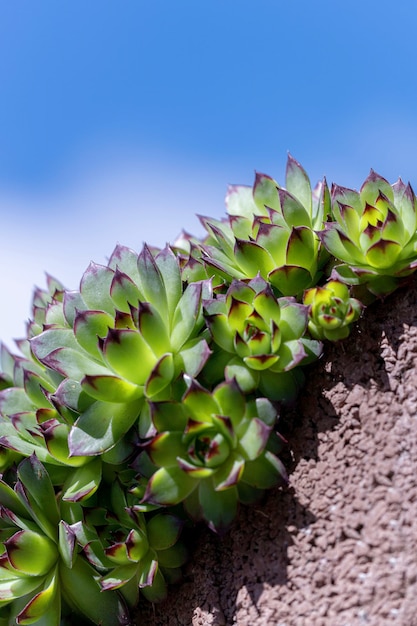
[338, 547]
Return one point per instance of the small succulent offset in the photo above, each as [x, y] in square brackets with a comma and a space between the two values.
[373, 236]
[331, 311]
[151, 396]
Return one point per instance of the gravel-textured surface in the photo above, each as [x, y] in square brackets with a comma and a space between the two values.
[339, 546]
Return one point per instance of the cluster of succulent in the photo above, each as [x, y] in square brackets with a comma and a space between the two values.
[149, 398]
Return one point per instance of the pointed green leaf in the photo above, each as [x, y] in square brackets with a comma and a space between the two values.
[168, 265]
[89, 327]
[10, 500]
[239, 201]
[82, 591]
[231, 401]
[67, 543]
[118, 576]
[253, 441]
[200, 402]
[219, 507]
[56, 438]
[83, 482]
[101, 426]
[252, 258]
[194, 355]
[126, 261]
[265, 193]
[31, 553]
[294, 212]
[111, 388]
[39, 489]
[169, 486]
[294, 318]
[95, 288]
[151, 282]
[129, 355]
[165, 448]
[153, 329]
[164, 531]
[274, 239]
[383, 254]
[124, 292]
[302, 248]
[372, 186]
[229, 474]
[290, 280]
[161, 376]
[264, 472]
[298, 183]
[44, 608]
[186, 315]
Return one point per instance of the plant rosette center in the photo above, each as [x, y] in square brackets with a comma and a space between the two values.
[208, 449]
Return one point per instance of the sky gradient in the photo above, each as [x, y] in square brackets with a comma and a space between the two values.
[120, 122]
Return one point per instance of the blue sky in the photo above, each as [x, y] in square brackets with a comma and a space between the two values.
[120, 121]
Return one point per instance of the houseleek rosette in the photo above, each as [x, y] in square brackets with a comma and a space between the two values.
[32, 421]
[331, 310]
[373, 236]
[42, 572]
[261, 339]
[212, 450]
[119, 341]
[145, 557]
[270, 230]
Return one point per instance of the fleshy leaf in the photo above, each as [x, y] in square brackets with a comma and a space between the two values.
[82, 482]
[298, 183]
[101, 427]
[219, 507]
[186, 315]
[163, 531]
[81, 589]
[129, 355]
[169, 486]
[44, 608]
[95, 288]
[31, 553]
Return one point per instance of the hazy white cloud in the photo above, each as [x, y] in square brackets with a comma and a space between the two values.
[61, 231]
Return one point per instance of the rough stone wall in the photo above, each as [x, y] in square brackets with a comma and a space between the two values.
[338, 547]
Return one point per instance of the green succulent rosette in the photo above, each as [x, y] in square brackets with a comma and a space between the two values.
[146, 556]
[121, 340]
[32, 421]
[43, 573]
[331, 311]
[269, 230]
[212, 450]
[373, 236]
[261, 339]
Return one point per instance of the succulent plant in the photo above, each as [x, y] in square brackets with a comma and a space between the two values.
[146, 555]
[40, 565]
[270, 230]
[119, 341]
[261, 338]
[373, 236]
[331, 310]
[212, 450]
[151, 394]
